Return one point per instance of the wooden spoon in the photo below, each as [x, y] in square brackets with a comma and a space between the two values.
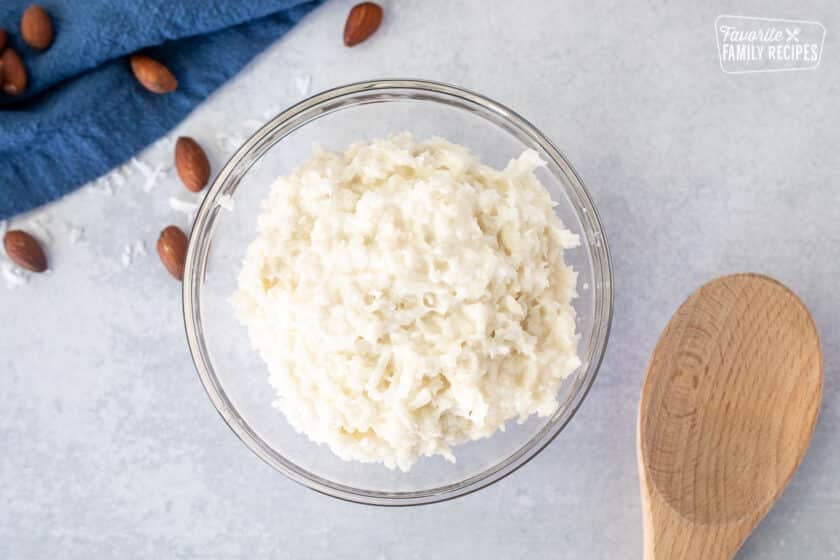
[727, 411]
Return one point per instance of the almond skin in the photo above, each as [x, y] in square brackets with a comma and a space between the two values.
[4, 37]
[172, 249]
[14, 76]
[36, 28]
[24, 250]
[362, 21]
[153, 75]
[192, 164]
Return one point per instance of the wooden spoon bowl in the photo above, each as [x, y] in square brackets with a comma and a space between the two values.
[727, 411]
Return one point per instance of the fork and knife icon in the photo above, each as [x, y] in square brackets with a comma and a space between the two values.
[793, 34]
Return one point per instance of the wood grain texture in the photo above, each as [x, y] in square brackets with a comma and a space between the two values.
[727, 411]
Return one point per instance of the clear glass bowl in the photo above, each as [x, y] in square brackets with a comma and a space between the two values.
[234, 375]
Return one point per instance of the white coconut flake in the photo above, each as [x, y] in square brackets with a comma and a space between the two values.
[303, 83]
[125, 257]
[226, 203]
[166, 170]
[253, 124]
[4, 226]
[165, 144]
[142, 167]
[271, 113]
[187, 208]
[117, 177]
[75, 234]
[152, 178]
[40, 227]
[131, 251]
[102, 186]
[14, 276]
[139, 248]
[229, 143]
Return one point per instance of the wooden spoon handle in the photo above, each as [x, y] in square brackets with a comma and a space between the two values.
[671, 537]
[668, 535]
[727, 411]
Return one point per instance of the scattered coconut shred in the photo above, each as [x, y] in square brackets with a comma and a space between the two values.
[13, 275]
[407, 298]
[187, 208]
[131, 251]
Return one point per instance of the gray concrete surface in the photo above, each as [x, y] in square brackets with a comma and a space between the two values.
[112, 450]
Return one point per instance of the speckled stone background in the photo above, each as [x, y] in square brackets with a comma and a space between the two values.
[112, 450]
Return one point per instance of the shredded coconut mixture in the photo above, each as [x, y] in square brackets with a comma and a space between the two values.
[407, 298]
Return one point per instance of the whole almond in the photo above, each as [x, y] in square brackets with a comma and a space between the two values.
[14, 73]
[153, 75]
[3, 38]
[362, 21]
[172, 249]
[192, 164]
[36, 27]
[24, 250]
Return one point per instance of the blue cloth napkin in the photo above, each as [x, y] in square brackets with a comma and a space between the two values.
[83, 113]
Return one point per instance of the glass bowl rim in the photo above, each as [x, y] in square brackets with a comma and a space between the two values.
[312, 109]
